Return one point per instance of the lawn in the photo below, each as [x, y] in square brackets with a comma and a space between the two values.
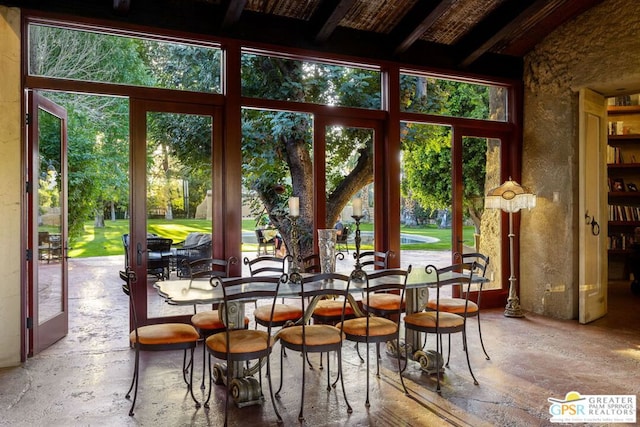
[108, 240]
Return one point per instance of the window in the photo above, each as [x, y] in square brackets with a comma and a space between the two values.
[312, 82]
[96, 57]
[442, 97]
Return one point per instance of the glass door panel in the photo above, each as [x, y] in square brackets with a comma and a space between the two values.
[48, 276]
[426, 196]
[178, 199]
[349, 181]
[50, 296]
[277, 163]
[481, 227]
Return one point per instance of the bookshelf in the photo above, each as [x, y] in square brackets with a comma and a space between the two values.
[623, 174]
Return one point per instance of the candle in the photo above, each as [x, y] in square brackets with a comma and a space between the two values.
[357, 206]
[294, 206]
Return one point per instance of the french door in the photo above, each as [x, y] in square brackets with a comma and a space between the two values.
[48, 316]
[175, 149]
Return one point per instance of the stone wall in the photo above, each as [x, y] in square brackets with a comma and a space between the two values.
[600, 48]
[11, 185]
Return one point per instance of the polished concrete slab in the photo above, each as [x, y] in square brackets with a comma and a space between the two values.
[82, 379]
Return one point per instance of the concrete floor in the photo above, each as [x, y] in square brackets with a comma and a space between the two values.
[82, 379]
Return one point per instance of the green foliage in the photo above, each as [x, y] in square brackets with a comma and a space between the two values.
[277, 147]
[427, 148]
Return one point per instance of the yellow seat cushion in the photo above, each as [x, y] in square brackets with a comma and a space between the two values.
[378, 326]
[242, 341]
[332, 308]
[453, 305]
[427, 319]
[314, 335]
[281, 313]
[165, 333]
[210, 320]
[388, 302]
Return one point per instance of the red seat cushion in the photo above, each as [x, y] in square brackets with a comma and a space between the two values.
[332, 308]
[165, 333]
[210, 320]
[242, 341]
[388, 302]
[315, 335]
[281, 313]
[378, 326]
[453, 305]
[427, 319]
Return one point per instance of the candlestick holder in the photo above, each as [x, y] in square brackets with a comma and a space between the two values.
[358, 240]
[357, 275]
[294, 271]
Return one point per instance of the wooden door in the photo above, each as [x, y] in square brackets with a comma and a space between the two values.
[592, 211]
[48, 316]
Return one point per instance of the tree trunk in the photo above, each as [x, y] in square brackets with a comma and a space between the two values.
[98, 221]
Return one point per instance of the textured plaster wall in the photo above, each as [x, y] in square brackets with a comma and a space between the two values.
[10, 186]
[600, 47]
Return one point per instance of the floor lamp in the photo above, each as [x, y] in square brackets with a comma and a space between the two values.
[511, 197]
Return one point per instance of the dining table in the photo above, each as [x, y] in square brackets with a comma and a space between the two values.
[200, 291]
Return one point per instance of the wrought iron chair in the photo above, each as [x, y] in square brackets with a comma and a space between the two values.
[195, 246]
[159, 256]
[342, 239]
[208, 322]
[383, 303]
[373, 329]
[457, 305]
[441, 322]
[238, 344]
[282, 313]
[159, 337]
[265, 246]
[307, 338]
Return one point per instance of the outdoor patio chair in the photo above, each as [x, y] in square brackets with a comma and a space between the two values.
[195, 246]
[265, 246]
[159, 256]
[342, 239]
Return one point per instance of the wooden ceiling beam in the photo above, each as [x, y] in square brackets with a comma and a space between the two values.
[512, 27]
[423, 25]
[231, 12]
[121, 6]
[329, 14]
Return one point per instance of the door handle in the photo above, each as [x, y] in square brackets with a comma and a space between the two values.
[139, 252]
[590, 220]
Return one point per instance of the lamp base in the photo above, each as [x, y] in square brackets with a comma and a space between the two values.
[513, 308]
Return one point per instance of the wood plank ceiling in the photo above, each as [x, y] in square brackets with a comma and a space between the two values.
[482, 36]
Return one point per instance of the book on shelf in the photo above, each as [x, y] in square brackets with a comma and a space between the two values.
[624, 213]
[614, 155]
[620, 241]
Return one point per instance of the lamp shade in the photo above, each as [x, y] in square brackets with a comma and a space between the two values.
[510, 197]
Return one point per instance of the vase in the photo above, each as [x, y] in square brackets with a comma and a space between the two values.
[327, 247]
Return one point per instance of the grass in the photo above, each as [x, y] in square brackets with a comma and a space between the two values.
[108, 240]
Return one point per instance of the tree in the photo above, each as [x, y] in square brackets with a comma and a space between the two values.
[427, 148]
[277, 146]
[98, 136]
